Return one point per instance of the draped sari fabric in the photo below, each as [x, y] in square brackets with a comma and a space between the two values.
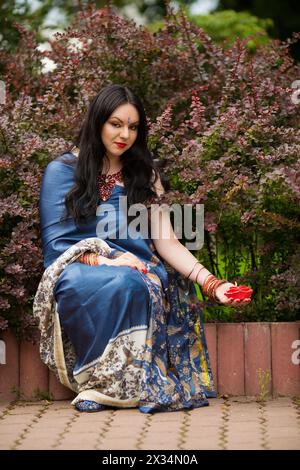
[113, 334]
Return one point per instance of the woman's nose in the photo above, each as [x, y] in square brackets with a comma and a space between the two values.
[124, 132]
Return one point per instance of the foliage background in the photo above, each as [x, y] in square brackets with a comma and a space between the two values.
[222, 121]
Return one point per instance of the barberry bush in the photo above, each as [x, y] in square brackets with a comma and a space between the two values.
[224, 121]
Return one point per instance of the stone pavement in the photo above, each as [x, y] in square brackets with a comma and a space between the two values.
[228, 423]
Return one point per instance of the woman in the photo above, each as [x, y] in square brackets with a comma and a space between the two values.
[119, 317]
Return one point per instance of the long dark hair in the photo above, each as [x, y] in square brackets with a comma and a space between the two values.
[138, 168]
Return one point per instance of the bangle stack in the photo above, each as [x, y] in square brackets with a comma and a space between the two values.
[197, 262]
[210, 286]
[89, 258]
[197, 272]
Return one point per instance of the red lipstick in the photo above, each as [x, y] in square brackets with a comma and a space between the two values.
[120, 145]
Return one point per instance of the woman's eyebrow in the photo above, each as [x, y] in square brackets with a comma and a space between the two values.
[115, 117]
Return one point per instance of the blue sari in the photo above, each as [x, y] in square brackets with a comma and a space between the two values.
[128, 339]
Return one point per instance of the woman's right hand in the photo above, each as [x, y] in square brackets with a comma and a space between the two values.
[128, 259]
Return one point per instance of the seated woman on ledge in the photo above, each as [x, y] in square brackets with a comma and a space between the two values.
[119, 317]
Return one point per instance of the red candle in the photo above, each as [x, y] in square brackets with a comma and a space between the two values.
[238, 292]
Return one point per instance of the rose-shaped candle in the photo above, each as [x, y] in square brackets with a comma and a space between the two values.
[238, 292]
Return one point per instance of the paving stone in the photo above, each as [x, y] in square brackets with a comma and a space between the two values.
[158, 445]
[243, 406]
[213, 403]
[279, 402]
[41, 444]
[61, 403]
[209, 430]
[74, 446]
[118, 445]
[242, 433]
[245, 446]
[163, 427]
[6, 441]
[121, 434]
[32, 403]
[53, 422]
[4, 404]
[214, 413]
[123, 421]
[59, 413]
[133, 440]
[242, 427]
[23, 411]
[44, 433]
[279, 443]
[78, 428]
[62, 414]
[209, 424]
[95, 417]
[278, 417]
[54, 429]
[203, 442]
[197, 446]
[281, 413]
[11, 428]
[59, 426]
[282, 422]
[87, 441]
[243, 399]
[128, 412]
[244, 420]
[17, 419]
[167, 440]
[283, 431]
[168, 417]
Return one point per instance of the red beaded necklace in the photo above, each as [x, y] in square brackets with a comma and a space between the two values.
[107, 182]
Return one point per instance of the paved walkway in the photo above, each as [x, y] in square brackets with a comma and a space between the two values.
[235, 423]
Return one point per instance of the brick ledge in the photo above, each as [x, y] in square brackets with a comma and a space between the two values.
[239, 353]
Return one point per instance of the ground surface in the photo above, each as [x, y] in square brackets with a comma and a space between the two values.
[235, 423]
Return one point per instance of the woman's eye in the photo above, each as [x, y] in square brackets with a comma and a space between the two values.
[115, 124]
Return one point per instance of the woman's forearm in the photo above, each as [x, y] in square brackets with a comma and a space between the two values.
[181, 259]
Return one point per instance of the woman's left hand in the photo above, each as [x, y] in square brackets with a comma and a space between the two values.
[220, 294]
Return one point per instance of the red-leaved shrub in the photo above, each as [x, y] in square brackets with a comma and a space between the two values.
[223, 121]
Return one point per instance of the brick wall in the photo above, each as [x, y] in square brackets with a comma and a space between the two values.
[238, 353]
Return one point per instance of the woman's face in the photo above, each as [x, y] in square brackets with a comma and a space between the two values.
[121, 127]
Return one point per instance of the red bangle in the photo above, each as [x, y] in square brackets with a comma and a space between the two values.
[210, 286]
[89, 258]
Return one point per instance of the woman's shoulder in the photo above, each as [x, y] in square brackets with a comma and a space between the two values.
[60, 170]
[69, 157]
[66, 160]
